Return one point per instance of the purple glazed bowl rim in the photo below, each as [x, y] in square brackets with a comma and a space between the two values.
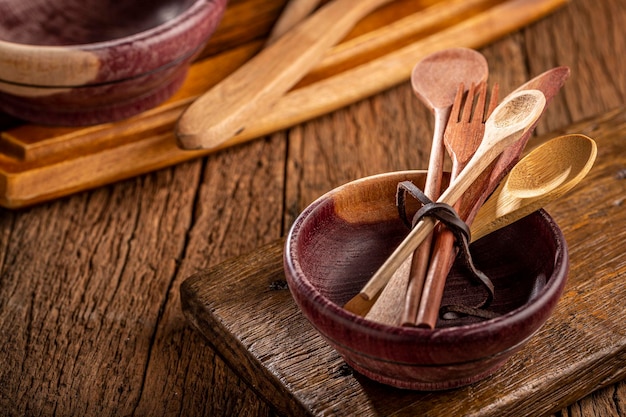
[191, 28]
[535, 312]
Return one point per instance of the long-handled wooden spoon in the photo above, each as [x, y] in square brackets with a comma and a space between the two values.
[435, 81]
[544, 175]
[533, 183]
[224, 110]
[507, 123]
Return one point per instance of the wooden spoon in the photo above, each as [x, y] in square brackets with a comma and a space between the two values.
[530, 186]
[224, 110]
[508, 122]
[549, 83]
[435, 81]
[544, 175]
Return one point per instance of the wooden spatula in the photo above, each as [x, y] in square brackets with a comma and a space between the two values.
[225, 110]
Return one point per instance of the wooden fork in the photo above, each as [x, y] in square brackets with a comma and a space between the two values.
[463, 135]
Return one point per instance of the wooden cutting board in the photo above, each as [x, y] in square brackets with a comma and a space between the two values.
[246, 312]
[39, 163]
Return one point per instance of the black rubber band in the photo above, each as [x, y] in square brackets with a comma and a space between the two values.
[450, 218]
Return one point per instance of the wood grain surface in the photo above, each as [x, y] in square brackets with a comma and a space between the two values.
[90, 314]
[39, 163]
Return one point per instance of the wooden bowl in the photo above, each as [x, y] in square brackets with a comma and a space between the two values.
[339, 241]
[80, 62]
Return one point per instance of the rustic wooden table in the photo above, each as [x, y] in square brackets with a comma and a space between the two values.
[90, 313]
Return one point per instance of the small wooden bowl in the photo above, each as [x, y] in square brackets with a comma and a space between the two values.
[74, 62]
[340, 240]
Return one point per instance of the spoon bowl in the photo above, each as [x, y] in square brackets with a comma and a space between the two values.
[556, 165]
[542, 176]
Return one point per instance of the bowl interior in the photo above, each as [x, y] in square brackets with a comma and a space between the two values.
[345, 236]
[75, 22]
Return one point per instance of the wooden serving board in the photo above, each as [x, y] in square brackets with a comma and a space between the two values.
[246, 312]
[39, 163]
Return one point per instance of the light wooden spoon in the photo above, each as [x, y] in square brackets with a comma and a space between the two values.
[508, 122]
[542, 176]
[549, 83]
[224, 111]
[435, 81]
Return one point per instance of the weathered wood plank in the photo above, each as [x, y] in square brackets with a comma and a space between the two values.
[236, 205]
[582, 347]
[81, 295]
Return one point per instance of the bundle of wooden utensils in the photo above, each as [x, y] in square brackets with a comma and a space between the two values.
[488, 187]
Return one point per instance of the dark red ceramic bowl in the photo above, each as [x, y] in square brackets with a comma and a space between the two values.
[80, 62]
[340, 240]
